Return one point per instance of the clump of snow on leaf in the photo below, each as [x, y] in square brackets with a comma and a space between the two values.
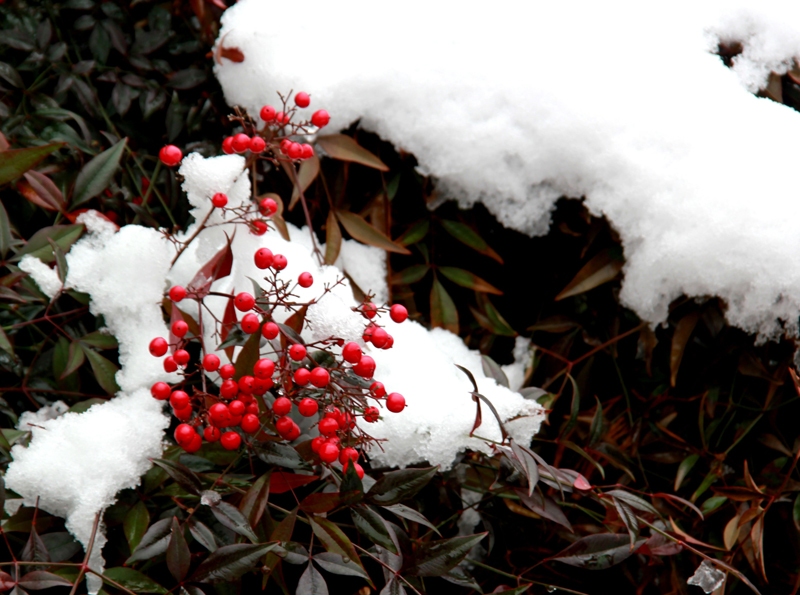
[670, 145]
[45, 277]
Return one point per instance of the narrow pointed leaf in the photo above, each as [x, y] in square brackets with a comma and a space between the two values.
[134, 580]
[202, 534]
[39, 244]
[444, 313]
[628, 518]
[35, 549]
[469, 280]
[396, 486]
[75, 359]
[15, 162]
[104, 371]
[597, 552]
[545, 507]
[683, 331]
[372, 526]
[218, 267]
[254, 502]
[5, 231]
[178, 555]
[100, 340]
[282, 482]
[41, 579]
[435, 558]
[466, 235]
[529, 464]
[410, 514]
[633, 500]
[335, 564]
[333, 538]
[311, 582]
[333, 238]
[600, 269]
[365, 233]
[306, 174]
[230, 562]
[415, 233]
[412, 274]
[345, 148]
[184, 476]
[229, 515]
[493, 370]
[46, 190]
[153, 543]
[135, 524]
[97, 174]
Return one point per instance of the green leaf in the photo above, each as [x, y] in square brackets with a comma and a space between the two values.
[466, 235]
[85, 405]
[311, 582]
[333, 238]
[135, 524]
[345, 148]
[469, 280]
[413, 274]
[178, 555]
[499, 324]
[100, 340]
[415, 233]
[282, 455]
[603, 268]
[230, 562]
[372, 526]
[15, 162]
[335, 564]
[333, 538]
[435, 558]
[597, 552]
[133, 580]
[39, 245]
[684, 468]
[75, 359]
[396, 486]
[229, 515]
[5, 231]
[597, 425]
[365, 233]
[97, 174]
[443, 309]
[10, 75]
[255, 500]
[153, 543]
[184, 476]
[492, 370]
[410, 514]
[61, 545]
[62, 268]
[104, 371]
[187, 78]
[5, 343]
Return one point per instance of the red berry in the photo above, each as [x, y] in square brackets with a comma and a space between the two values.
[229, 389]
[179, 328]
[170, 155]
[333, 440]
[268, 206]
[227, 371]
[236, 408]
[219, 200]
[261, 386]
[230, 440]
[263, 258]
[252, 407]
[160, 391]
[158, 346]
[279, 262]
[194, 445]
[398, 313]
[211, 434]
[328, 426]
[377, 389]
[348, 453]
[371, 414]
[177, 293]
[346, 421]
[351, 353]
[282, 118]
[250, 323]
[246, 385]
[270, 330]
[389, 342]
[285, 144]
[241, 142]
[367, 336]
[305, 280]
[244, 302]
[219, 415]
[395, 402]
[281, 406]
[250, 423]
[210, 362]
[170, 365]
[359, 469]
[308, 152]
[184, 414]
[259, 228]
[227, 145]
[328, 452]
[297, 352]
[257, 144]
[181, 357]
[320, 377]
[369, 310]
[293, 433]
[184, 433]
[284, 425]
[365, 367]
[179, 399]
[320, 118]
[379, 337]
[302, 376]
[264, 368]
[317, 443]
[268, 113]
[302, 99]
[308, 407]
[235, 420]
[295, 151]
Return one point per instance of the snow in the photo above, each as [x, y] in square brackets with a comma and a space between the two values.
[45, 277]
[621, 104]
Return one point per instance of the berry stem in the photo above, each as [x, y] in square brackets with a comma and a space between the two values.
[297, 185]
[197, 231]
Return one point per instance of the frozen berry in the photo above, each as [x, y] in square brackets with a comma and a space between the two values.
[379, 337]
[377, 389]
[158, 346]
[257, 144]
[328, 452]
[281, 406]
[244, 302]
[308, 152]
[250, 423]
[264, 368]
[179, 399]
[371, 414]
[305, 280]
[348, 453]
[365, 367]
[170, 155]
[170, 365]
[267, 113]
[270, 330]
[236, 408]
[320, 377]
[210, 362]
[160, 391]
[241, 142]
[227, 371]
[184, 433]
[351, 352]
[177, 293]
[179, 328]
[302, 99]
[320, 118]
[250, 323]
[308, 407]
[328, 426]
[279, 262]
[359, 469]
[268, 206]
[302, 376]
[317, 443]
[395, 402]
[259, 228]
[398, 313]
[227, 145]
[229, 389]
[297, 352]
[230, 440]
[219, 200]
[181, 357]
